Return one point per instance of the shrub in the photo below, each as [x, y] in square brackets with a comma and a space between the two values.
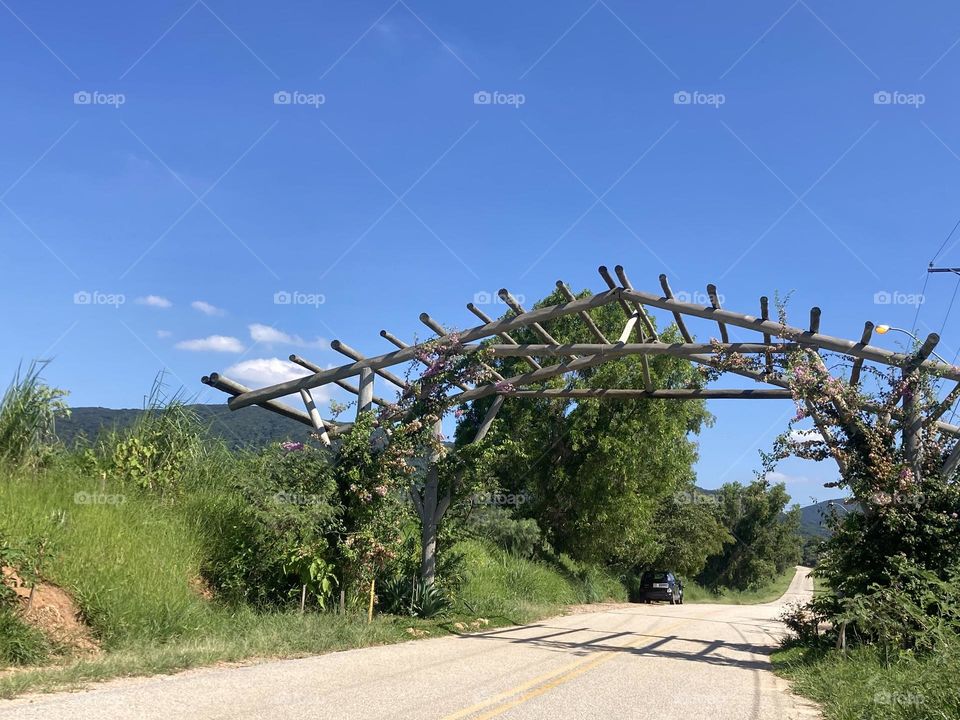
[277, 531]
[500, 526]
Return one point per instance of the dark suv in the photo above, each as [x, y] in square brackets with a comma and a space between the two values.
[661, 585]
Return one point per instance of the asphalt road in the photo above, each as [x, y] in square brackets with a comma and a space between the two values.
[634, 661]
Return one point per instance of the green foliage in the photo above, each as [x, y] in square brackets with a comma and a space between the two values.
[20, 644]
[595, 470]
[503, 528]
[163, 449]
[413, 597]
[691, 531]
[766, 540]
[28, 414]
[279, 534]
[862, 684]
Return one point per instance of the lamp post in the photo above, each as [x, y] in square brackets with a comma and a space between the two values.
[884, 329]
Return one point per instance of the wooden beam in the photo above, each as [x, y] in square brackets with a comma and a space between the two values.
[672, 394]
[765, 315]
[488, 419]
[950, 464]
[442, 332]
[942, 406]
[365, 397]
[647, 323]
[315, 418]
[254, 397]
[858, 362]
[621, 348]
[677, 317]
[715, 303]
[514, 305]
[825, 342]
[583, 315]
[344, 349]
[608, 279]
[506, 337]
[401, 344]
[225, 384]
[349, 387]
[814, 320]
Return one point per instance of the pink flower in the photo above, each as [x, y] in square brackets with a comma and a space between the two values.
[290, 446]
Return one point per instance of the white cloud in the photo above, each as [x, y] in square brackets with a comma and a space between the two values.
[270, 371]
[162, 334]
[214, 343]
[798, 437]
[154, 301]
[206, 308]
[271, 336]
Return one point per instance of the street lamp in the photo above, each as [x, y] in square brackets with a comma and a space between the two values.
[884, 329]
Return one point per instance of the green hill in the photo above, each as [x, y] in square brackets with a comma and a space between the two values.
[250, 426]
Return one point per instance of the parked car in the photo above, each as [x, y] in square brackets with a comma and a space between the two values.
[661, 585]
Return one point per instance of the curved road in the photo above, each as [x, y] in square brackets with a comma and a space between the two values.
[625, 661]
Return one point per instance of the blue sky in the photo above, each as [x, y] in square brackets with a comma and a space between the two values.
[146, 159]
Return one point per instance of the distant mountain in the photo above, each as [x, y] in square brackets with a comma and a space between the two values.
[250, 426]
[813, 518]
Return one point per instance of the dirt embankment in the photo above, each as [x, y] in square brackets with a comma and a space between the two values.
[51, 610]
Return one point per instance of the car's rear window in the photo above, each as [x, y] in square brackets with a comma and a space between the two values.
[654, 577]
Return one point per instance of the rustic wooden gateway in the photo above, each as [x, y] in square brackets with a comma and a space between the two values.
[550, 359]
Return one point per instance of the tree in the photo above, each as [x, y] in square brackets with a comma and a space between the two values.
[766, 541]
[595, 471]
[690, 532]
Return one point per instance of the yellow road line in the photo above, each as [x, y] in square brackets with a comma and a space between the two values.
[552, 679]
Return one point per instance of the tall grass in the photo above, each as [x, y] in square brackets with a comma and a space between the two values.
[28, 413]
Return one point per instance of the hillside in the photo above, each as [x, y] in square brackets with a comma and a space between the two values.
[247, 427]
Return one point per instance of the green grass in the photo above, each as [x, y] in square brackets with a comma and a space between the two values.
[859, 686]
[767, 593]
[515, 590]
[130, 566]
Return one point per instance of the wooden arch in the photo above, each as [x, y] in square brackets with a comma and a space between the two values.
[638, 337]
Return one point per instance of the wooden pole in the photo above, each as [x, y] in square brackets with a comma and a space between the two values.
[858, 362]
[583, 315]
[373, 582]
[365, 397]
[442, 332]
[349, 387]
[390, 337]
[715, 303]
[677, 317]
[825, 342]
[344, 349]
[506, 337]
[315, 418]
[672, 394]
[254, 397]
